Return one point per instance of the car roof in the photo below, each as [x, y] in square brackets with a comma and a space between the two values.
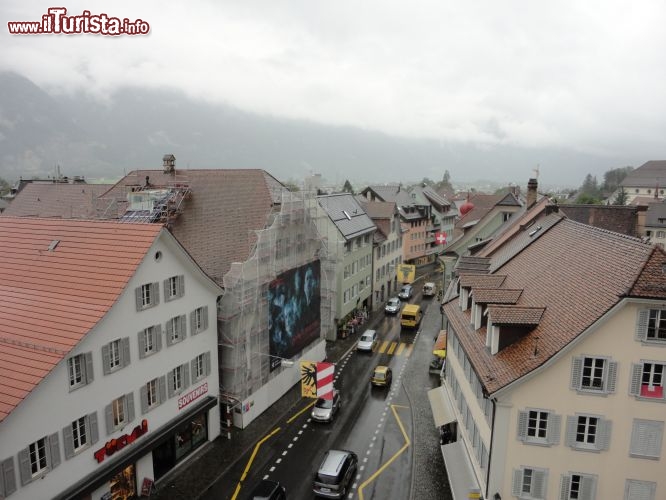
[381, 368]
[333, 460]
[264, 489]
[369, 332]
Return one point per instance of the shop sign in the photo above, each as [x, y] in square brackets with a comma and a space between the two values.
[192, 395]
[119, 443]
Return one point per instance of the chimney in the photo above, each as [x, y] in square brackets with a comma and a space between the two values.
[169, 164]
[531, 193]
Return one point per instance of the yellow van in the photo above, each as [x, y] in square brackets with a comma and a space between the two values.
[410, 317]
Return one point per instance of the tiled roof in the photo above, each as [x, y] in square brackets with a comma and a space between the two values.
[467, 264]
[218, 221]
[656, 215]
[435, 197]
[482, 281]
[495, 295]
[51, 293]
[70, 201]
[650, 174]
[515, 315]
[577, 273]
[379, 209]
[347, 214]
[618, 218]
[483, 203]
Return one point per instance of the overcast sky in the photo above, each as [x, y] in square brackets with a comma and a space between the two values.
[587, 76]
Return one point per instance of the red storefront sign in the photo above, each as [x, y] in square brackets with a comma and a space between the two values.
[192, 395]
[119, 443]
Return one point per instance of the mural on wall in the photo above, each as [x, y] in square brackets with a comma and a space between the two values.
[294, 315]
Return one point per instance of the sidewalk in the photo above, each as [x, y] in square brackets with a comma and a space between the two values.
[198, 474]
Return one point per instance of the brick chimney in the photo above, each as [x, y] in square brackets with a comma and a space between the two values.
[531, 193]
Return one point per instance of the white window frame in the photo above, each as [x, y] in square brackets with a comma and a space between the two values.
[176, 330]
[651, 326]
[199, 320]
[532, 420]
[114, 354]
[646, 439]
[577, 486]
[534, 479]
[174, 287]
[580, 371]
[147, 296]
[153, 393]
[39, 462]
[601, 435]
[119, 413]
[38, 458]
[647, 377]
[80, 434]
[79, 370]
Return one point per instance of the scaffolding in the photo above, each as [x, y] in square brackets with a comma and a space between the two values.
[291, 239]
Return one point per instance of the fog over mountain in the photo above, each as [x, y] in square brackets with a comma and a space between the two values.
[137, 126]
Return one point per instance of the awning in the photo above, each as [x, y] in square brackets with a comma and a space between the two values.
[462, 480]
[442, 410]
[440, 343]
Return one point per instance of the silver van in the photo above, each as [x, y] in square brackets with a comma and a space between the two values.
[335, 474]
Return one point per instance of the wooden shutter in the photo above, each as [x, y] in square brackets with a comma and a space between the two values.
[193, 365]
[54, 448]
[603, 434]
[611, 376]
[24, 466]
[193, 322]
[157, 332]
[570, 436]
[144, 399]
[516, 486]
[106, 359]
[142, 343]
[167, 296]
[181, 285]
[125, 350]
[588, 486]
[68, 441]
[636, 379]
[565, 487]
[554, 428]
[182, 325]
[129, 408]
[522, 425]
[8, 477]
[576, 372]
[94, 430]
[539, 478]
[642, 324]
[155, 294]
[169, 331]
[108, 418]
[139, 298]
[207, 363]
[90, 375]
[171, 378]
[646, 438]
[186, 375]
[161, 385]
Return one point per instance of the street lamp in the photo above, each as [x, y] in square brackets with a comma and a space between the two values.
[286, 362]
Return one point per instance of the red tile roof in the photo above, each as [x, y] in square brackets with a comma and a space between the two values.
[50, 299]
[70, 201]
[495, 295]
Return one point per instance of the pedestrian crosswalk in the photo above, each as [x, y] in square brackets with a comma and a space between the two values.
[393, 348]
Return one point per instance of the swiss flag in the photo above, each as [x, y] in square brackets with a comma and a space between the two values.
[440, 238]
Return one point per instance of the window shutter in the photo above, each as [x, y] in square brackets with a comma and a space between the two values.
[155, 294]
[144, 399]
[522, 425]
[604, 431]
[576, 371]
[182, 325]
[642, 324]
[139, 298]
[94, 430]
[181, 285]
[186, 375]
[90, 375]
[157, 331]
[167, 296]
[539, 483]
[205, 318]
[125, 346]
[68, 441]
[193, 366]
[106, 359]
[554, 428]
[588, 485]
[646, 438]
[611, 376]
[193, 322]
[142, 343]
[24, 466]
[517, 482]
[108, 418]
[636, 378]
[170, 381]
[169, 332]
[161, 384]
[129, 399]
[570, 436]
[55, 450]
[207, 362]
[565, 486]
[8, 477]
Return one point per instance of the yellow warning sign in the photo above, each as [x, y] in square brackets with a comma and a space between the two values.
[308, 379]
[406, 273]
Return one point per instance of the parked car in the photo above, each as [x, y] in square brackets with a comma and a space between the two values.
[268, 490]
[325, 409]
[368, 341]
[392, 306]
[406, 292]
[381, 376]
[335, 474]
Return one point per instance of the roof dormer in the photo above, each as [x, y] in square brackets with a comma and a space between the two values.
[508, 324]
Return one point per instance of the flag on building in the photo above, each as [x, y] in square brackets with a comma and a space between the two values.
[440, 238]
[325, 372]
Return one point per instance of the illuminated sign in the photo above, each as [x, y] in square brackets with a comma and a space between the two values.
[119, 443]
[192, 395]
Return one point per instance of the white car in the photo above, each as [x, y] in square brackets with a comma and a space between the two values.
[368, 341]
[392, 306]
[406, 292]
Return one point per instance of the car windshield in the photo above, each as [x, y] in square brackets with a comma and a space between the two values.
[326, 404]
[366, 338]
[379, 375]
[393, 302]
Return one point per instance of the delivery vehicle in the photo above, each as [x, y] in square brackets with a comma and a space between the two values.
[429, 289]
[411, 315]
